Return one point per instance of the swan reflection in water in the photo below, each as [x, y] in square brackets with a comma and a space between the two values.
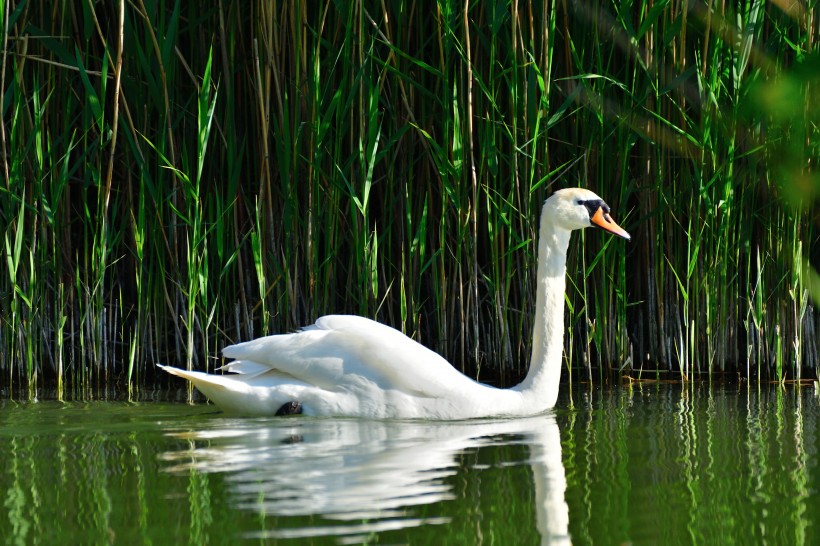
[366, 474]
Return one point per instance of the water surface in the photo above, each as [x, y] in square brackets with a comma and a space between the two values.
[642, 465]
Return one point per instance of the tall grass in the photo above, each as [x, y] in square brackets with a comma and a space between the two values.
[239, 169]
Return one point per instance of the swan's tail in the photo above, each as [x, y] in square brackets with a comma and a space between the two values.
[199, 379]
[234, 393]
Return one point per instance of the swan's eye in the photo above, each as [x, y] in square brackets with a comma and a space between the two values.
[593, 205]
[580, 202]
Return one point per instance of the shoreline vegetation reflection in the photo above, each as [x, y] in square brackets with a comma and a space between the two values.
[647, 464]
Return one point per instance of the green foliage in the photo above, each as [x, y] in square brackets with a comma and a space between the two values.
[260, 164]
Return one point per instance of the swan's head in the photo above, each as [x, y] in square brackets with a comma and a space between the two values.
[577, 208]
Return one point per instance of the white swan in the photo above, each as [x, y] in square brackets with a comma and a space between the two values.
[356, 367]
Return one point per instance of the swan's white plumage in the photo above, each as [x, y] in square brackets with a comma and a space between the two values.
[353, 366]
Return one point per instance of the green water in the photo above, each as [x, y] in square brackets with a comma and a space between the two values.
[661, 464]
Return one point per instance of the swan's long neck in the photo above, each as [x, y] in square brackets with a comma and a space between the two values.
[548, 329]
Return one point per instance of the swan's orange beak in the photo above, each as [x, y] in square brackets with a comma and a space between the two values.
[604, 220]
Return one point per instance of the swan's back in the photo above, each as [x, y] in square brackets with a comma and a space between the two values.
[350, 352]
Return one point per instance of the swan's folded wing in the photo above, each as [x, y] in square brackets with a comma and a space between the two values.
[244, 367]
[399, 361]
[346, 351]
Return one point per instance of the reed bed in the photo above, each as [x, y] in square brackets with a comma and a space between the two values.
[180, 176]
